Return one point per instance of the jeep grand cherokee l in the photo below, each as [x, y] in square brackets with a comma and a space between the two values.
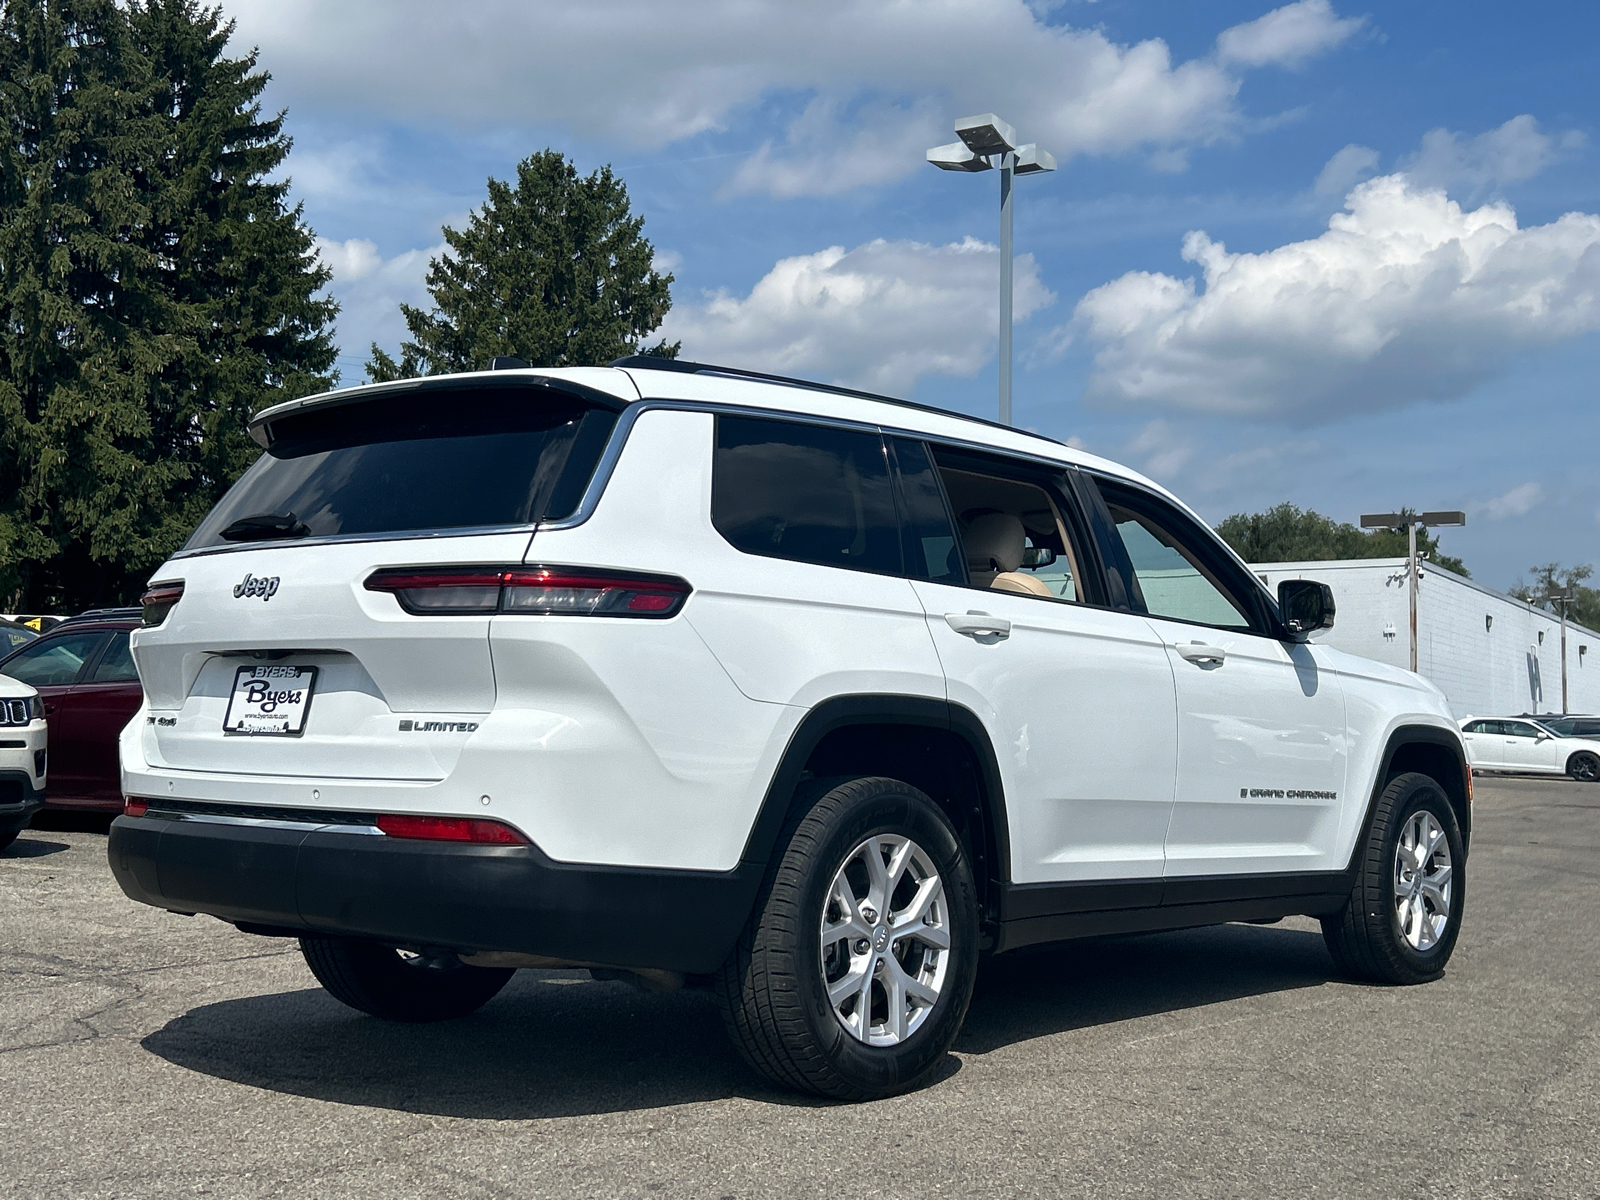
[805, 695]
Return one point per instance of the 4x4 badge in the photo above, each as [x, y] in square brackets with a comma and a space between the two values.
[252, 585]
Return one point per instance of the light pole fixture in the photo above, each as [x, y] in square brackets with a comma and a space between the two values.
[988, 142]
[1562, 596]
[1410, 522]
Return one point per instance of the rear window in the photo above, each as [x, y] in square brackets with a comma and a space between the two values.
[433, 459]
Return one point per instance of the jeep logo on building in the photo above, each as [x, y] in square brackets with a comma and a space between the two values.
[252, 585]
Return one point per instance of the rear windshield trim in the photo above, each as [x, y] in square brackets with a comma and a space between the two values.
[334, 539]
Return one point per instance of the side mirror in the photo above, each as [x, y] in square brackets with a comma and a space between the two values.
[1038, 556]
[1306, 605]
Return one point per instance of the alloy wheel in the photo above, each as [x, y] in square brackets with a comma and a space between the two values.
[885, 940]
[1422, 881]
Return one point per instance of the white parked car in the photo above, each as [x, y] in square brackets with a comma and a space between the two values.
[804, 695]
[1528, 745]
[23, 752]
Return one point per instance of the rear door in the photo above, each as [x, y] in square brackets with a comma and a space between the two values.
[1485, 744]
[1077, 697]
[102, 702]
[1261, 722]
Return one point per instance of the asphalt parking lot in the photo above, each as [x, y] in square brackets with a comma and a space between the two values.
[144, 1054]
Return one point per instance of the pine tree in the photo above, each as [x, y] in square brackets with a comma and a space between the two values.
[555, 271]
[155, 289]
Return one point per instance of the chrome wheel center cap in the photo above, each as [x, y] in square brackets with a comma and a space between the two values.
[880, 938]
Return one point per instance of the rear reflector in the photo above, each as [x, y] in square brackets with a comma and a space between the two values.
[541, 591]
[134, 807]
[450, 829]
[158, 600]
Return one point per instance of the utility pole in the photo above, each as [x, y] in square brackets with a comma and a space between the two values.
[1411, 521]
[1563, 597]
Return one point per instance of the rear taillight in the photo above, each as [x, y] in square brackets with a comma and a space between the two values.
[132, 806]
[543, 591]
[158, 600]
[450, 829]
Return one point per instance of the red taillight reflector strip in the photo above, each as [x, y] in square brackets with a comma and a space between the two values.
[450, 829]
[544, 591]
[158, 600]
[132, 806]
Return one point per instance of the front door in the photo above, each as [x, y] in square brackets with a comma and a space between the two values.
[1526, 748]
[1077, 698]
[1261, 722]
[53, 664]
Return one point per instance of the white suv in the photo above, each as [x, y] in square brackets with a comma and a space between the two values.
[694, 676]
[22, 757]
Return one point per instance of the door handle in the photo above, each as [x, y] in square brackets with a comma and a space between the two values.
[978, 624]
[1200, 653]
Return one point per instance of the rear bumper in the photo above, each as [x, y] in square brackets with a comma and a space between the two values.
[333, 880]
[19, 800]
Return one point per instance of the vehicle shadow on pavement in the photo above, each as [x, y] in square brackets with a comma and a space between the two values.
[32, 847]
[557, 1044]
[552, 1044]
[1055, 989]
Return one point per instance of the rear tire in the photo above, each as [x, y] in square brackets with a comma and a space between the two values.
[380, 980]
[1404, 914]
[832, 988]
[1584, 767]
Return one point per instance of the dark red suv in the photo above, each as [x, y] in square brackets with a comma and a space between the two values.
[85, 674]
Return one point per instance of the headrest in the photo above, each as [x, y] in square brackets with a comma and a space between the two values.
[994, 542]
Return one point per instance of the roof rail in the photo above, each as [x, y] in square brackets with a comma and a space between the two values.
[654, 362]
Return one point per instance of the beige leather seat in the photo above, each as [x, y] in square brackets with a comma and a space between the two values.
[994, 543]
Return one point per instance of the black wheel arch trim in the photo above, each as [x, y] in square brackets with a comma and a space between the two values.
[1429, 735]
[840, 712]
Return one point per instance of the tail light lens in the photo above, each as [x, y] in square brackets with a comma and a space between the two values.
[132, 806]
[158, 601]
[543, 591]
[451, 829]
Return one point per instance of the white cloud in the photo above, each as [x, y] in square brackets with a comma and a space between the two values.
[1517, 150]
[877, 316]
[1344, 169]
[826, 154]
[1406, 297]
[1161, 449]
[1287, 36]
[370, 289]
[652, 72]
[1518, 502]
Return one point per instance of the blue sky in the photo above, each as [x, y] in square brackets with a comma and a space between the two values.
[1183, 305]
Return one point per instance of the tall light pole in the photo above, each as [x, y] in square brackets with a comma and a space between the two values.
[988, 142]
[1562, 596]
[1410, 522]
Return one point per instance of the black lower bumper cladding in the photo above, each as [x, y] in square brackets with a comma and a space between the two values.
[18, 801]
[463, 896]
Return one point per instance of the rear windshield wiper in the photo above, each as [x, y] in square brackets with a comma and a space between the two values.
[261, 526]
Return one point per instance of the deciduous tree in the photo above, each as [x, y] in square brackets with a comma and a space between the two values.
[1286, 533]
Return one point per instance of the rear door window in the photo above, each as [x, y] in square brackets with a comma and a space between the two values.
[116, 663]
[808, 493]
[433, 459]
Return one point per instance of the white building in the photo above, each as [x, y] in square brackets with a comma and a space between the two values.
[1489, 652]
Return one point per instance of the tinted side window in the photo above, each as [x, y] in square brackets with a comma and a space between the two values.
[52, 662]
[1520, 729]
[116, 664]
[809, 493]
[930, 549]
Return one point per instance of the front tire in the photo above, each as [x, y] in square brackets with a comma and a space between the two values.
[853, 975]
[1584, 767]
[1404, 914]
[382, 981]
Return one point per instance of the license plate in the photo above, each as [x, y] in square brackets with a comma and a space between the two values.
[270, 700]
